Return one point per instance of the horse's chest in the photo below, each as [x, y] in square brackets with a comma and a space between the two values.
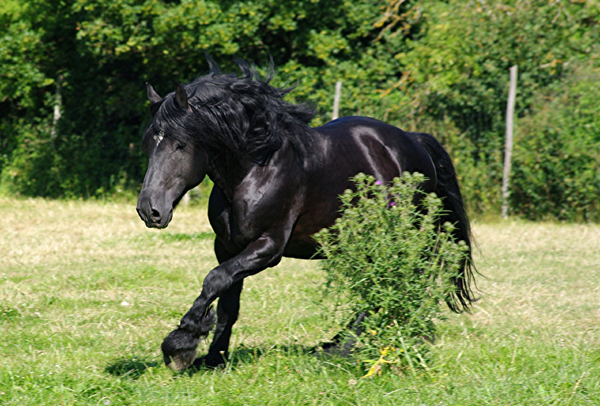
[234, 224]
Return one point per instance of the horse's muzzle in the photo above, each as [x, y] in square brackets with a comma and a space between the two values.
[153, 217]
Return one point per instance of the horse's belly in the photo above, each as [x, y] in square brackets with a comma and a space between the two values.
[301, 250]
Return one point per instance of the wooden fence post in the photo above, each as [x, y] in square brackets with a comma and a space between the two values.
[510, 109]
[57, 105]
[336, 100]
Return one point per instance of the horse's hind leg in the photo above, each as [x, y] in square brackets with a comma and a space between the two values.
[228, 309]
[343, 343]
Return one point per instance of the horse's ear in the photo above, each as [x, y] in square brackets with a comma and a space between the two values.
[152, 95]
[181, 97]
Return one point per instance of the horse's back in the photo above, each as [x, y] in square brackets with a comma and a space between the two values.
[363, 144]
[344, 148]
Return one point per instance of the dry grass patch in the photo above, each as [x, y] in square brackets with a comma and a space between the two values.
[543, 275]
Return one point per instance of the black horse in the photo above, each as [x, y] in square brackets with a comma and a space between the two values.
[276, 183]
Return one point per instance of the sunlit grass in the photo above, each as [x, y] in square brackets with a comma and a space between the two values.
[87, 294]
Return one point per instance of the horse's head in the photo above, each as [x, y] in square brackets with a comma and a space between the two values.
[175, 164]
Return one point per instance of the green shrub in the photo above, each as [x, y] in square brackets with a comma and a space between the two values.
[389, 257]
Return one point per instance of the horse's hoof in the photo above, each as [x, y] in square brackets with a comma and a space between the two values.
[179, 349]
[330, 348]
[342, 348]
[215, 360]
[181, 361]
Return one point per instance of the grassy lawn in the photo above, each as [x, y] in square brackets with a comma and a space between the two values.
[87, 294]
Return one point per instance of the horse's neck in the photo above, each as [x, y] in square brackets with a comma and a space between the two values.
[226, 173]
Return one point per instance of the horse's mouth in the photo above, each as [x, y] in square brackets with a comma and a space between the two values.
[152, 222]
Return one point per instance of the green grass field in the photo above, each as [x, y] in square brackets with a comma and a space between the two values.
[87, 294]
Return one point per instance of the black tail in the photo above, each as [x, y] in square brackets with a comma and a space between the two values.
[448, 190]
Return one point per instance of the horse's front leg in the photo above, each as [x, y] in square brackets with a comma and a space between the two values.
[227, 314]
[179, 348]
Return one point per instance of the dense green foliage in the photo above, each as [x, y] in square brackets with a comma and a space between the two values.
[439, 67]
[557, 162]
[372, 252]
[459, 68]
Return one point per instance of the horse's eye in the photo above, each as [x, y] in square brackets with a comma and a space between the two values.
[179, 147]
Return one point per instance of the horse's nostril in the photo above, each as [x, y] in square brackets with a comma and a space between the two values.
[155, 214]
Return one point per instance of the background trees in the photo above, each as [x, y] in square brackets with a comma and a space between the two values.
[422, 65]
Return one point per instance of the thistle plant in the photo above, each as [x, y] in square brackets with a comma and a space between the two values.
[388, 257]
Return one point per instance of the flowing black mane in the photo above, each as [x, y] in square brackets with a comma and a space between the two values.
[245, 115]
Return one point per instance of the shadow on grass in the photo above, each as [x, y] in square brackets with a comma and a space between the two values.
[134, 368]
[131, 368]
[243, 355]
